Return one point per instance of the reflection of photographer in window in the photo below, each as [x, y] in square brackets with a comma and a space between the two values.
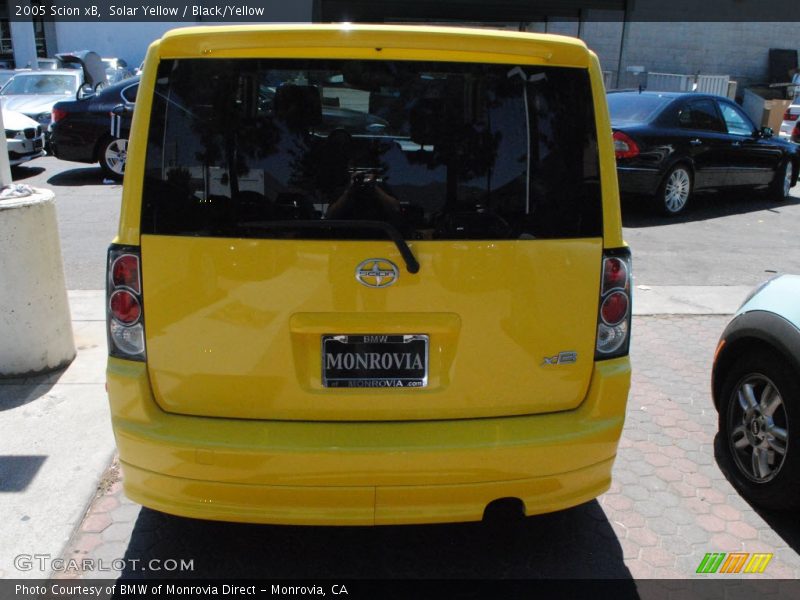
[366, 198]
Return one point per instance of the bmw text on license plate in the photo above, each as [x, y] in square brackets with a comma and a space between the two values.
[375, 361]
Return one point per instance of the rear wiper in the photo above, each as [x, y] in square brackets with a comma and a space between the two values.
[390, 230]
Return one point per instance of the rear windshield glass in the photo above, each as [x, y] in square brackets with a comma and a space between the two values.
[39, 84]
[261, 148]
[635, 108]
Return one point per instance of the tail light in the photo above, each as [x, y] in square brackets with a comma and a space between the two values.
[614, 314]
[124, 308]
[788, 116]
[624, 146]
[57, 114]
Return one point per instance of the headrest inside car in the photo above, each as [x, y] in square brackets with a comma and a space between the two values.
[426, 116]
[299, 106]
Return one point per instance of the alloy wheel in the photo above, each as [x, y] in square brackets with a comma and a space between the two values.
[787, 179]
[115, 155]
[758, 428]
[676, 191]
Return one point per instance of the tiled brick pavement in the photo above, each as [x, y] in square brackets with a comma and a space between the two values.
[669, 504]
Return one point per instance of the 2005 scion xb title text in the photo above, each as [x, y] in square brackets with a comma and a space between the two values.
[52, 590]
[129, 9]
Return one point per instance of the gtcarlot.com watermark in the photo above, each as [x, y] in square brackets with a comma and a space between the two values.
[45, 562]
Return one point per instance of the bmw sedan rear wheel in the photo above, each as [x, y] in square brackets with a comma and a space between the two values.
[674, 192]
[758, 423]
[113, 154]
[782, 184]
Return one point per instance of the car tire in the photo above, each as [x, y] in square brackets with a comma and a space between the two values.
[674, 192]
[781, 185]
[756, 426]
[113, 154]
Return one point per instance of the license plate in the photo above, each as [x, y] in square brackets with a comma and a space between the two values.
[374, 361]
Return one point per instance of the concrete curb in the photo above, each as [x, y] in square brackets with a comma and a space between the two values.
[688, 299]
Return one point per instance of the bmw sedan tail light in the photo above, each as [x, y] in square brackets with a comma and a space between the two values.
[57, 114]
[624, 146]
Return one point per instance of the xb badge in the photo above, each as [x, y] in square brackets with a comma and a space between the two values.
[562, 358]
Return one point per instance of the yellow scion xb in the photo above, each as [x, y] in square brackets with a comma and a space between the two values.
[368, 275]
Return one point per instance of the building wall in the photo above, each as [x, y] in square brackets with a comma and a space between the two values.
[737, 49]
[604, 37]
[740, 50]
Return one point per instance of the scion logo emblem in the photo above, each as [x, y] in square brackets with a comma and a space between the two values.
[377, 273]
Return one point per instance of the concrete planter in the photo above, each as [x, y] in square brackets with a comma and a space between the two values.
[35, 325]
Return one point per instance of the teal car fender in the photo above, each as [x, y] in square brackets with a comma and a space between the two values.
[768, 319]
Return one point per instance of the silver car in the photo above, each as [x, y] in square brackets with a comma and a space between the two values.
[33, 93]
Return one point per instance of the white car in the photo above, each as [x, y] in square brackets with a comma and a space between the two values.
[24, 137]
[790, 118]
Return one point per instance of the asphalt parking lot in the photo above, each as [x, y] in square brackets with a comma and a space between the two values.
[88, 212]
[669, 503]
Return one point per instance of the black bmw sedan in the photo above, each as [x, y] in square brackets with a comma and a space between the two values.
[95, 129]
[669, 145]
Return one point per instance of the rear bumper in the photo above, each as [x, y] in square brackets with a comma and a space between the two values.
[358, 505]
[349, 473]
[638, 180]
[64, 150]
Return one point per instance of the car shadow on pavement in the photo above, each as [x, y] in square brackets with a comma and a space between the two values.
[78, 177]
[636, 212]
[21, 173]
[574, 543]
[783, 523]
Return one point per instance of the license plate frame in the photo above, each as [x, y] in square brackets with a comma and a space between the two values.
[398, 358]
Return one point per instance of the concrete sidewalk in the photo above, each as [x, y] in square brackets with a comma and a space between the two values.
[58, 439]
[56, 443]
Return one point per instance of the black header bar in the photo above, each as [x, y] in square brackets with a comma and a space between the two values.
[377, 11]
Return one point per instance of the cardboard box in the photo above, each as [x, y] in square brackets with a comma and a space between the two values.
[774, 114]
[764, 108]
